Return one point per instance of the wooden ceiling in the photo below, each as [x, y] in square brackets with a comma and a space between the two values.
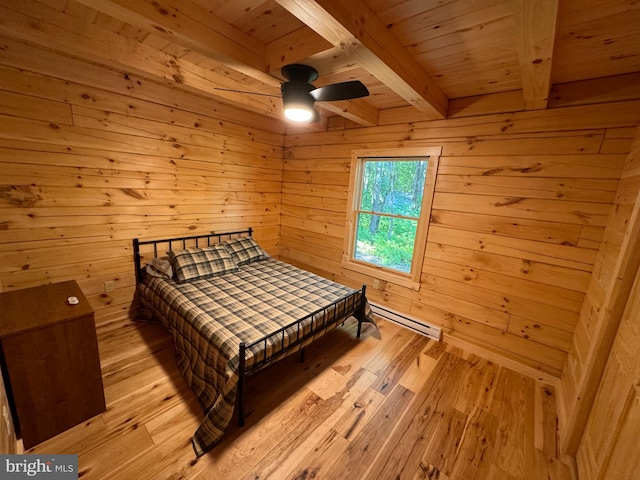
[419, 56]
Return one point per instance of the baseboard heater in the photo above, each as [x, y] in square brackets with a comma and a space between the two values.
[430, 331]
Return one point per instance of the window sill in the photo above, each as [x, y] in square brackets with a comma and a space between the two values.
[383, 274]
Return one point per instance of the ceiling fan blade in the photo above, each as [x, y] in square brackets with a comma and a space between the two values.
[340, 91]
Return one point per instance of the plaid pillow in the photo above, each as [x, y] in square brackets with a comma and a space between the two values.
[194, 263]
[245, 250]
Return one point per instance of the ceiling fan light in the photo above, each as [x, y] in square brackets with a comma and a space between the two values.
[297, 101]
[298, 113]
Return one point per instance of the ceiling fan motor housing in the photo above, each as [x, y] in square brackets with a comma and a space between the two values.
[299, 73]
[297, 92]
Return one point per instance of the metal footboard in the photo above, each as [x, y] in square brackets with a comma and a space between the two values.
[299, 333]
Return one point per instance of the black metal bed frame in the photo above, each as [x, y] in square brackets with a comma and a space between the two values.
[332, 315]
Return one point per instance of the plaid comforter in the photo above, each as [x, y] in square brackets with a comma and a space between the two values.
[209, 318]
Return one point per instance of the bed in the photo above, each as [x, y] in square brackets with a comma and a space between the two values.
[232, 310]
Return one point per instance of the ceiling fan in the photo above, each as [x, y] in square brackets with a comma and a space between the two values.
[299, 95]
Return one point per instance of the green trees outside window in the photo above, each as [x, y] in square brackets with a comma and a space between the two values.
[389, 210]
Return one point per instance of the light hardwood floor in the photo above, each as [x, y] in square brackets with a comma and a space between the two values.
[390, 405]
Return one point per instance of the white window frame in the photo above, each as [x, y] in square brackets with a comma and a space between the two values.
[411, 279]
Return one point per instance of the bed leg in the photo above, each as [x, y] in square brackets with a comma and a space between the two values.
[361, 309]
[240, 393]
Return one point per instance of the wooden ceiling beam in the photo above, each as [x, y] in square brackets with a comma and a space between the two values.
[295, 47]
[597, 90]
[536, 26]
[333, 60]
[327, 60]
[353, 25]
[194, 27]
[358, 111]
[63, 33]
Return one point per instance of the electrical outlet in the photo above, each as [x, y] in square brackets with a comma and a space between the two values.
[376, 283]
[109, 286]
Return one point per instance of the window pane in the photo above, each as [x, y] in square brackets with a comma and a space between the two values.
[393, 186]
[385, 241]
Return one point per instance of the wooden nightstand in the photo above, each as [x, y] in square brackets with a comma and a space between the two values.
[50, 358]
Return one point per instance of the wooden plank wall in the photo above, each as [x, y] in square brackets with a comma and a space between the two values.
[91, 158]
[609, 447]
[8, 443]
[606, 298]
[518, 216]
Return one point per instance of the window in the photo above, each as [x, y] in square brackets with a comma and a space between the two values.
[390, 196]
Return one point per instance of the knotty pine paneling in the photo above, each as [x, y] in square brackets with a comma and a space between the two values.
[608, 448]
[521, 204]
[609, 288]
[91, 158]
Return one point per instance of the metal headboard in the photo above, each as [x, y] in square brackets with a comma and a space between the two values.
[181, 243]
